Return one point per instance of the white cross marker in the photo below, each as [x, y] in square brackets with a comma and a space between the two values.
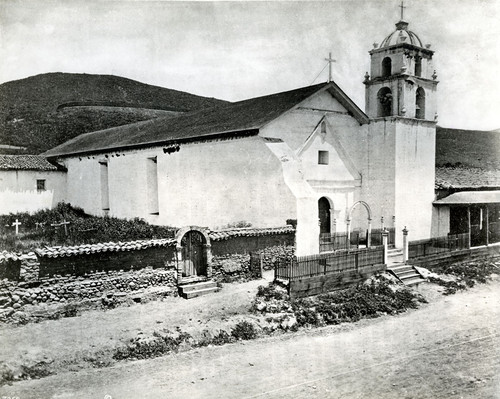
[17, 223]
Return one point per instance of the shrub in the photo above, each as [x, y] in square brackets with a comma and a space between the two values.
[82, 229]
[244, 330]
[466, 273]
[272, 291]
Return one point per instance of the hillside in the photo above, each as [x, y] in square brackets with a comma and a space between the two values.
[43, 111]
[469, 148]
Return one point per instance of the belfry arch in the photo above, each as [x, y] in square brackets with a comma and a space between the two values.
[369, 219]
[420, 103]
[384, 97]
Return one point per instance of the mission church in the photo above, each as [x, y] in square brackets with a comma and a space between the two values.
[309, 154]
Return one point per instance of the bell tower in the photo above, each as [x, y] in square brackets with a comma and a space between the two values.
[398, 181]
[403, 80]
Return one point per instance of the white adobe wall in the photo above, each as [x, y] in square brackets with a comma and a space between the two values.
[440, 221]
[208, 184]
[18, 190]
[379, 173]
[340, 183]
[415, 178]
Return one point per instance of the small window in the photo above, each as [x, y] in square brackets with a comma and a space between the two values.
[323, 127]
[40, 185]
[323, 157]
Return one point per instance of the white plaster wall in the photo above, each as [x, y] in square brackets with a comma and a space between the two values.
[415, 175]
[19, 190]
[440, 221]
[84, 183]
[208, 184]
[378, 174]
[216, 183]
[335, 170]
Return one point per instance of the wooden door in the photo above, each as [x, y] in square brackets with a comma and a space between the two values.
[193, 254]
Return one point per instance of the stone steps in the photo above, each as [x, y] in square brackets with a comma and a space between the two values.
[407, 274]
[194, 290]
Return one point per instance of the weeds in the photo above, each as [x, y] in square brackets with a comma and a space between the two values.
[244, 330]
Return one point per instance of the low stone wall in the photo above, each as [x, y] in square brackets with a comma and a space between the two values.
[270, 255]
[14, 296]
[247, 244]
[230, 267]
[128, 260]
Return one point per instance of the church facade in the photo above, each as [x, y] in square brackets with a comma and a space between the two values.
[309, 155]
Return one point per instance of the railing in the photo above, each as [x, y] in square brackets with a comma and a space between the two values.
[376, 238]
[332, 242]
[432, 246]
[338, 241]
[322, 264]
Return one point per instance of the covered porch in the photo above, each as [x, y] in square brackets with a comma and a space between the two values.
[476, 213]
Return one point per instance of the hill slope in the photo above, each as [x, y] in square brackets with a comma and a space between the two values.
[468, 148]
[43, 111]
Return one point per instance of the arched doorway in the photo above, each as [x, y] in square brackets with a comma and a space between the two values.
[384, 97]
[369, 219]
[324, 216]
[193, 254]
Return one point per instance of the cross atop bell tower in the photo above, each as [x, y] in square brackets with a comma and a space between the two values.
[402, 10]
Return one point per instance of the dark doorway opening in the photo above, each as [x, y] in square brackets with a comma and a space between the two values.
[193, 254]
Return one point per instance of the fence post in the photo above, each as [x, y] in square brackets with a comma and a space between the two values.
[261, 264]
[385, 236]
[369, 237]
[405, 245]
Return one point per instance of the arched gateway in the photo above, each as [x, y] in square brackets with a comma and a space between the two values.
[193, 253]
[349, 215]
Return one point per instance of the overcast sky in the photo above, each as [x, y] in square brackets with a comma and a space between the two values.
[238, 50]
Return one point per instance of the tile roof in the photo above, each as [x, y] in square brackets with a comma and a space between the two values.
[243, 116]
[6, 256]
[249, 232]
[85, 249]
[470, 197]
[25, 162]
[466, 178]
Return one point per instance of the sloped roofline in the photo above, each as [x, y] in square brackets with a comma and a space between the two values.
[204, 123]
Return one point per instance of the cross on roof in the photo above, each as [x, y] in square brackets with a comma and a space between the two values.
[402, 10]
[330, 61]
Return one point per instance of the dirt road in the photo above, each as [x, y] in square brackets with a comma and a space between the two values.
[447, 349]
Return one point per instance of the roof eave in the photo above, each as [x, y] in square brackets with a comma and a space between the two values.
[159, 143]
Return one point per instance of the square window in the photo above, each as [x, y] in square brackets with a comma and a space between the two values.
[40, 185]
[323, 157]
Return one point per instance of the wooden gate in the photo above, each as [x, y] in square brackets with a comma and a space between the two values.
[193, 254]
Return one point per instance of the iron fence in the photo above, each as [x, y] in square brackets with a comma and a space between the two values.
[436, 245]
[322, 264]
[338, 241]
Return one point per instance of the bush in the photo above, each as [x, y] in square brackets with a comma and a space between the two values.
[83, 229]
[149, 347]
[467, 274]
[272, 291]
[244, 330]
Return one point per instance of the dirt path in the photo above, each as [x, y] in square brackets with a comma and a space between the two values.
[76, 337]
[449, 348]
